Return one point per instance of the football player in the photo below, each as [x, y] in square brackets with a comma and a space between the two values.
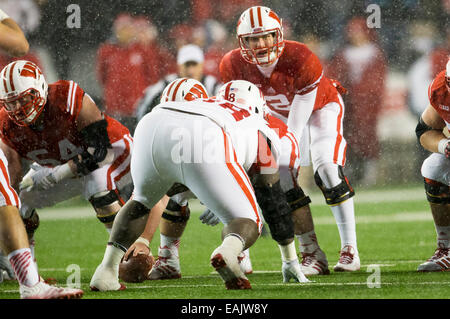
[297, 92]
[436, 168]
[177, 212]
[75, 147]
[13, 237]
[234, 140]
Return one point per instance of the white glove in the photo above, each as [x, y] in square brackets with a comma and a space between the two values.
[209, 218]
[5, 265]
[291, 270]
[43, 178]
[38, 177]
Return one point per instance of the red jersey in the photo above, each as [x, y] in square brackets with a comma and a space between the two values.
[298, 71]
[59, 140]
[440, 97]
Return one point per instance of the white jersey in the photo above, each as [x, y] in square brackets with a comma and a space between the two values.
[245, 129]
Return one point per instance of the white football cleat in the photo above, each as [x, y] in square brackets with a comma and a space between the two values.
[291, 270]
[106, 279]
[245, 263]
[315, 263]
[167, 266]
[43, 291]
[348, 260]
[440, 261]
[227, 265]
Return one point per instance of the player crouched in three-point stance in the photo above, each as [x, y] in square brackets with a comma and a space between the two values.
[75, 147]
[297, 92]
[176, 215]
[166, 162]
[436, 168]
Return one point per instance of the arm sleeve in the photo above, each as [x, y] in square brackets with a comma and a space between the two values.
[301, 110]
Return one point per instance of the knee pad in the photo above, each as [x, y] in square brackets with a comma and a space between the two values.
[176, 213]
[106, 205]
[31, 223]
[437, 193]
[337, 194]
[276, 211]
[296, 198]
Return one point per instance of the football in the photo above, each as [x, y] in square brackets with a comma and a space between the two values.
[136, 268]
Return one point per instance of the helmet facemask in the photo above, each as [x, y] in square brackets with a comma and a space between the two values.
[25, 108]
[263, 55]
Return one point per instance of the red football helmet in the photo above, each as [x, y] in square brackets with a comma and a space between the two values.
[257, 22]
[183, 89]
[23, 91]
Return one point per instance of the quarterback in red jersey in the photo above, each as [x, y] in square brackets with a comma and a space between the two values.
[297, 92]
[436, 168]
[75, 149]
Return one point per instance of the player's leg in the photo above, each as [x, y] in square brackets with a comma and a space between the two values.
[236, 207]
[173, 222]
[328, 148]
[34, 199]
[104, 187]
[14, 243]
[150, 186]
[314, 261]
[436, 173]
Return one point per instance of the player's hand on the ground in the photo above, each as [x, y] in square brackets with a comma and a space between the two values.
[135, 249]
[5, 265]
[291, 270]
[209, 218]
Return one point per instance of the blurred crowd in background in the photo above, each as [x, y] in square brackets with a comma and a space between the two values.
[122, 47]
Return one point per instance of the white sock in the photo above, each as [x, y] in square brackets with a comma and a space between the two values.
[344, 214]
[170, 243]
[443, 236]
[24, 267]
[308, 242]
[112, 256]
[288, 252]
[234, 243]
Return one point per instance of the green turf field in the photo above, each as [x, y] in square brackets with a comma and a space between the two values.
[394, 227]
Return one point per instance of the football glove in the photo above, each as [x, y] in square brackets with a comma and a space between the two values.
[209, 218]
[291, 270]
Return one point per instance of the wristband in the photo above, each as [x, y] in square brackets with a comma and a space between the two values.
[144, 241]
[442, 145]
[3, 15]
[62, 172]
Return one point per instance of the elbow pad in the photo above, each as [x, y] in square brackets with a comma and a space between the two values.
[421, 128]
[95, 137]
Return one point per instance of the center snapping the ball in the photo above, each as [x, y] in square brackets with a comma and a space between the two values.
[136, 268]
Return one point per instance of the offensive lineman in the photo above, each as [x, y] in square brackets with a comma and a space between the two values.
[74, 146]
[176, 215]
[232, 140]
[436, 168]
[297, 92]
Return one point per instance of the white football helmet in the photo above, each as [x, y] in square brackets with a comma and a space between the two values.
[245, 95]
[256, 22]
[183, 89]
[23, 91]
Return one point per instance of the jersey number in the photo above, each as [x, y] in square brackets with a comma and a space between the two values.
[66, 151]
[277, 102]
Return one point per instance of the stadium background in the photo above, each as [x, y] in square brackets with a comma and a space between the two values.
[410, 29]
